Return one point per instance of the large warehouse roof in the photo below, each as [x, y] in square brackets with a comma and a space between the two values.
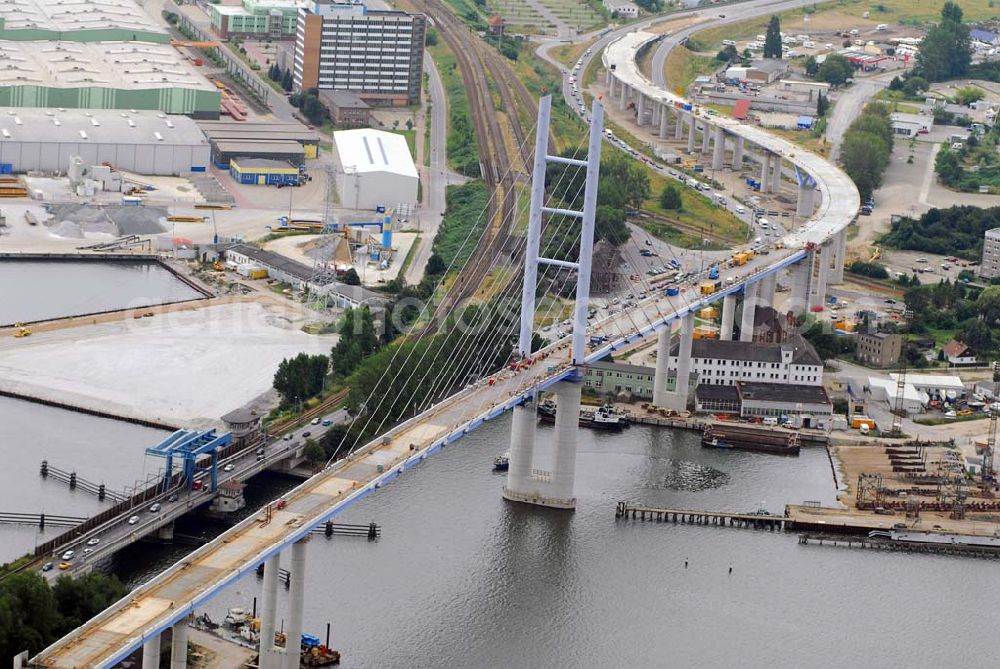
[99, 126]
[70, 16]
[120, 65]
[258, 132]
[367, 150]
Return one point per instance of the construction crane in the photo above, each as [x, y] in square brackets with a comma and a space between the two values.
[991, 440]
[899, 409]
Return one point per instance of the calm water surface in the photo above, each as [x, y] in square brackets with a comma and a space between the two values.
[69, 288]
[98, 449]
[461, 578]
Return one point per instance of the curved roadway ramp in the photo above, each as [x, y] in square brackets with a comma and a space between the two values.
[174, 594]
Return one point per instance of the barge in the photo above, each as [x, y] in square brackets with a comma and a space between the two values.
[750, 438]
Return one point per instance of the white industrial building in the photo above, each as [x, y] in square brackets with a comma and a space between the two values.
[374, 169]
[718, 362]
[886, 390]
[143, 142]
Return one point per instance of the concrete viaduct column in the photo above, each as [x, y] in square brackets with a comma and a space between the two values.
[805, 206]
[623, 99]
[151, 653]
[800, 272]
[738, 152]
[680, 395]
[768, 287]
[775, 181]
[678, 124]
[664, 117]
[609, 81]
[640, 108]
[719, 151]
[662, 360]
[268, 612]
[692, 131]
[818, 272]
[728, 317]
[293, 639]
[765, 170]
[750, 292]
[567, 426]
[706, 137]
[840, 252]
[179, 646]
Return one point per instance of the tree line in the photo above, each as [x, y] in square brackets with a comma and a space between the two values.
[34, 614]
[956, 231]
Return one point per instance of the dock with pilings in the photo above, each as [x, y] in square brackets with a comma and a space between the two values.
[757, 521]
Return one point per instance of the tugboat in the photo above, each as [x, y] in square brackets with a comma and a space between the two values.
[501, 463]
[607, 417]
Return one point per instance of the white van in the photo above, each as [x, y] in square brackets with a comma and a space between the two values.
[882, 27]
[740, 209]
[728, 42]
[770, 420]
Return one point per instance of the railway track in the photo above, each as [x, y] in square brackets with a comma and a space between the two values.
[501, 171]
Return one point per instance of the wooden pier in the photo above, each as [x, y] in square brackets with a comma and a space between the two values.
[761, 521]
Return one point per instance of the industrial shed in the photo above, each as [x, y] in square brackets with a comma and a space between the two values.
[144, 142]
[237, 139]
[374, 169]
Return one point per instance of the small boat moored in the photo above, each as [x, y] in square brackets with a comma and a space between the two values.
[501, 463]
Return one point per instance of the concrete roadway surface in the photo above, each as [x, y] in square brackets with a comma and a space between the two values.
[119, 532]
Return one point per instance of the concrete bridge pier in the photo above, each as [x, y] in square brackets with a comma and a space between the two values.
[765, 170]
[728, 317]
[664, 119]
[268, 613]
[678, 125]
[679, 398]
[719, 152]
[662, 364]
[805, 206]
[775, 181]
[818, 273]
[768, 287]
[750, 293]
[800, 271]
[563, 478]
[151, 653]
[179, 646]
[293, 639]
[839, 245]
[655, 110]
[623, 98]
[692, 131]
[640, 109]
[706, 137]
[738, 153]
[522, 451]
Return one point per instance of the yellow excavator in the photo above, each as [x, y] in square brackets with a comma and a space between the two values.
[21, 331]
[876, 254]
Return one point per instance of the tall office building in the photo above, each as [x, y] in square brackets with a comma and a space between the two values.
[345, 46]
[990, 266]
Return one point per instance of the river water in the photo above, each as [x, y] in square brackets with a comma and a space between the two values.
[461, 578]
[98, 449]
[52, 289]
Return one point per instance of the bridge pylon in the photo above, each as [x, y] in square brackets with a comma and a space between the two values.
[544, 473]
